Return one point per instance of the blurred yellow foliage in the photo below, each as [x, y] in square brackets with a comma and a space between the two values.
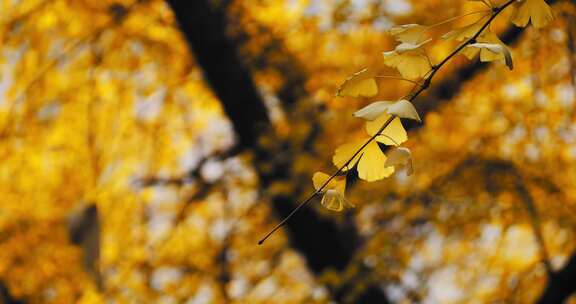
[102, 104]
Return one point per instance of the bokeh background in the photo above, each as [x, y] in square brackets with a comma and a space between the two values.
[147, 145]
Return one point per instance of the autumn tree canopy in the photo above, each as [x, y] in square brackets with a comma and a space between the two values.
[147, 146]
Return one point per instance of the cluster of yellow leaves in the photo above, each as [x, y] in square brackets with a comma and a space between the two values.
[410, 59]
[383, 125]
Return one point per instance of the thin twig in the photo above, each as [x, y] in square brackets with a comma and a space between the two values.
[422, 87]
[456, 18]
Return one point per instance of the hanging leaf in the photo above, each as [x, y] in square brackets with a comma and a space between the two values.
[360, 84]
[402, 108]
[400, 158]
[333, 198]
[408, 33]
[370, 161]
[537, 11]
[495, 48]
[409, 59]
[344, 152]
[393, 135]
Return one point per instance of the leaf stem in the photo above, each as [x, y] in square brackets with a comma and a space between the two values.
[397, 78]
[456, 18]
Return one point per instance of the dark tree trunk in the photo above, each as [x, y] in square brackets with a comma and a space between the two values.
[84, 231]
[561, 285]
[6, 297]
[322, 242]
[204, 25]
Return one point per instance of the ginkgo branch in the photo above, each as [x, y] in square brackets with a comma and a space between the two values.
[421, 88]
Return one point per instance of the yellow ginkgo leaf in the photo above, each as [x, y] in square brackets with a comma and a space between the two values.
[537, 11]
[409, 59]
[361, 83]
[410, 47]
[401, 108]
[338, 183]
[400, 158]
[371, 161]
[393, 135]
[466, 32]
[333, 198]
[487, 55]
[409, 33]
[372, 165]
[496, 49]
[344, 152]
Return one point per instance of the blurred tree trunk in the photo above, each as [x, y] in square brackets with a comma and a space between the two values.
[204, 25]
[561, 285]
[324, 244]
[6, 297]
[84, 231]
